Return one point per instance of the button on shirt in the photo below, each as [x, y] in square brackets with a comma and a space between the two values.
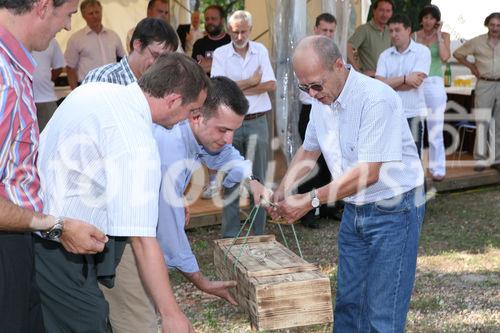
[19, 180]
[371, 128]
[87, 50]
[487, 59]
[227, 62]
[180, 156]
[416, 58]
[99, 161]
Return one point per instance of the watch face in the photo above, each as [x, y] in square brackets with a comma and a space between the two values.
[315, 202]
[55, 234]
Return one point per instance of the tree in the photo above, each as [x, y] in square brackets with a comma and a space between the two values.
[228, 5]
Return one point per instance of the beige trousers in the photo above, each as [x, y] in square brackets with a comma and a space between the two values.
[130, 308]
[487, 107]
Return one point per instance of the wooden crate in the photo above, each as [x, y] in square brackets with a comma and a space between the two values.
[277, 288]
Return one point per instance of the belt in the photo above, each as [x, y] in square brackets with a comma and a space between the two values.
[489, 79]
[254, 115]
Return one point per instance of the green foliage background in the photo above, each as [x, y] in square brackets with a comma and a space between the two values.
[411, 8]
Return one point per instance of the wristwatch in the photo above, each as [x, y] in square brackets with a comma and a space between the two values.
[314, 198]
[55, 232]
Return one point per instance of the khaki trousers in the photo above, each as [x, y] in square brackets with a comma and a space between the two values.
[130, 308]
[487, 104]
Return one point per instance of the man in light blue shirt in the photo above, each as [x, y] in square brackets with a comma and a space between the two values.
[358, 124]
[204, 139]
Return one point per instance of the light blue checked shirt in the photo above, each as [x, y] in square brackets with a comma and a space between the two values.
[371, 128]
[180, 156]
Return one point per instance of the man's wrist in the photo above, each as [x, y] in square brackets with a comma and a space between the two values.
[41, 222]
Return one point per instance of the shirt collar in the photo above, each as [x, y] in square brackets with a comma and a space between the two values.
[87, 30]
[410, 48]
[341, 101]
[372, 24]
[189, 140]
[17, 52]
[251, 48]
[126, 66]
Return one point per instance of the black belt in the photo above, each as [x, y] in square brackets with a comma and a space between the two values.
[254, 115]
[489, 79]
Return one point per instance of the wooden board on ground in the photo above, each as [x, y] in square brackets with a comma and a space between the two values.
[277, 288]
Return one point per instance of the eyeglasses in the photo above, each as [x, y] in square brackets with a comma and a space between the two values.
[314, 86]
[154, 54]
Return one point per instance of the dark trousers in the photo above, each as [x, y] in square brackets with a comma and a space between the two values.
[20, 308]
[323, 175]
[71, 298]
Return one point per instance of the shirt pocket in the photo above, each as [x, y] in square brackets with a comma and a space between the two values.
[349, 154]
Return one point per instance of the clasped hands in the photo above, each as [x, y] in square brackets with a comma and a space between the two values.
[288, 209]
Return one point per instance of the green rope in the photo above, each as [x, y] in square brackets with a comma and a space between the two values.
[297, 241]
[283, 236]
[251, 218]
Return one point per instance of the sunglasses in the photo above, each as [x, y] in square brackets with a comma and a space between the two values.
[314, 86]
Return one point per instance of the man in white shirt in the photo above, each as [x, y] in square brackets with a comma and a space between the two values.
[50, 64]
[358, 124]
[100, 158]
[247, 63]
[92, 46]
[404, 66]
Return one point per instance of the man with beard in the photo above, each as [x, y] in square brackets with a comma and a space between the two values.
[247, 63]
[214, 26]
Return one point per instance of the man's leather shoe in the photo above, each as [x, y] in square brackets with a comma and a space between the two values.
[496, 166]
[479, 168]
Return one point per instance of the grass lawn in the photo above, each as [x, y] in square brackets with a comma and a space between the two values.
[457, 288]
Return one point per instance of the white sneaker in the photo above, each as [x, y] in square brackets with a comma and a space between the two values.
[210, 190]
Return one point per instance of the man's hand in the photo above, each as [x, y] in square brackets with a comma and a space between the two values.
[415, 79]
[82, 238]
[474, 70]
[187, 215]
[369, 72]
[259, 191]
[256, 77]
[176, 323]
[220, 289]
[277, 196]
[205, 63]
[294, 207]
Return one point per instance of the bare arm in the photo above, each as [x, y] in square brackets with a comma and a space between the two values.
[463, 60]
[216, 288]
[353, 181]
[77, 236]
[72, 77]
[404, 82]
[351, 59]
[444, 46]
[261, 88]
[55, 73]
[154, 275]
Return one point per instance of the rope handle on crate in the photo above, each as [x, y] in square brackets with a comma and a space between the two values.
[251, 219]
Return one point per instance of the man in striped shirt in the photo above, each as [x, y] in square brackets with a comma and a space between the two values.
[21, 204]
[151, 38]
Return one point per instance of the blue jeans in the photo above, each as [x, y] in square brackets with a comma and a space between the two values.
[377, 245]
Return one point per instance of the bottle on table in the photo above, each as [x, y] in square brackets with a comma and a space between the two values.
[447, 75]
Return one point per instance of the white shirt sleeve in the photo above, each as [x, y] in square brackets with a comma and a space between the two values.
[423, 61]
[72, 54]
[218, 63]
[311, 139]
[381, 65]
[57, 60]
[265, 63]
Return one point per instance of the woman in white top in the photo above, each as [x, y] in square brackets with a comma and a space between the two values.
[435, 96]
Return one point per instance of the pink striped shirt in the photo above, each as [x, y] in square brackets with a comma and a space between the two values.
[19, 180]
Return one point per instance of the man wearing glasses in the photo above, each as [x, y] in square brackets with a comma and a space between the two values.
[358, 124]
[151, 38]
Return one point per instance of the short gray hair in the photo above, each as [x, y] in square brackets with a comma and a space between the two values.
[326, 50]
[240, 15]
